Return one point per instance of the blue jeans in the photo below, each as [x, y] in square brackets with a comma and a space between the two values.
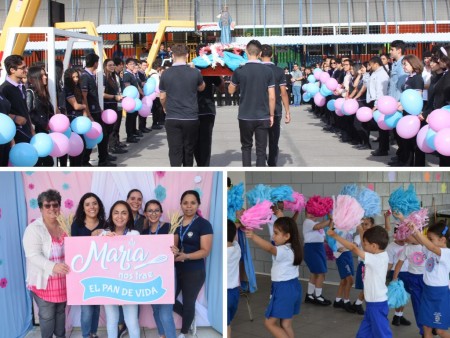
[131, 319]
[89, 319]
[296, 92]
[164, 320]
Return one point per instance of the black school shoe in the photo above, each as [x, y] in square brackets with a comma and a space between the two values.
[309, 299]
[348, 307]
[400, 320]
[339, 304]
[321, 301]
[358, 309]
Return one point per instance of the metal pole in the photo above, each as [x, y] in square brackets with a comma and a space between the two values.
[435, 14]
[264, 17]
[254, 18]
[106, 11]
[300, 10]
[117, 11]
[73, 14]
[424, 16]
[282, 17]
[339, 16]
[348, 14]
[395, 16]
[367, 16]
[310, 15]
[385, 17]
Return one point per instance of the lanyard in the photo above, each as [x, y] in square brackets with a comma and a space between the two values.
[136, 218]
[157, 229]
[183, 233]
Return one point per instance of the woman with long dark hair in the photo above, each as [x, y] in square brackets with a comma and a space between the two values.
[39, 105]
[89, 220]
[74, 104]
[194, 245]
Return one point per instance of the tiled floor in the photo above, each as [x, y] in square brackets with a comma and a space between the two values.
[313, 320]
[202, 332]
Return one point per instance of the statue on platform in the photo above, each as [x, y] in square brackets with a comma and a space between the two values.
[225, 26]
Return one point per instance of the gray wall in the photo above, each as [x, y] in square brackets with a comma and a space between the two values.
[330, 183]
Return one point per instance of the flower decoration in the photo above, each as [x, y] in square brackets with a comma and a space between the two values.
[34, 203]
[3, 283]
[200, 192]
[429, 264]
[68, 203]
[160, 174]
[32, 220]
[0, 212]
[160, 193]
[418, 258]
[29, 173]
[1, 261]
[66, 186]
[31, 186]
[197, 179]
[66, 172]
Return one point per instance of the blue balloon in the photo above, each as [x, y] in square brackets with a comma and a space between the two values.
[412, 101]
[23, 155]
[376, 115]
[330, 105]
[317, 70]
[446, 108]
[68, 132]
[325, 91]
[81, 125]
[429, 138]
[311, 79]
[306, 97]
[43, 144]
[7, 129]
[312, 89]
[138, 104]
[149, 88]
[131, 91]
[92, 142]
[392, 120]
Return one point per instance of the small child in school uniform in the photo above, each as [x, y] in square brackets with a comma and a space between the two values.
[286, 290]
[233, 258]
[434, 309]
[375, 240]
[413, 278]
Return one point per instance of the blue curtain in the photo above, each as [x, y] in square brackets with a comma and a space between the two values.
[214, 262]
[15, 301]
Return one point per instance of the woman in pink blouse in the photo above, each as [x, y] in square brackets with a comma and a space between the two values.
[43, 244]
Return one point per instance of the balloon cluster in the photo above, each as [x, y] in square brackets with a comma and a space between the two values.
[436, 134]
[65, 138]
[131, 102]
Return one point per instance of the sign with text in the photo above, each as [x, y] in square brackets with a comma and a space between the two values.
[120, 270]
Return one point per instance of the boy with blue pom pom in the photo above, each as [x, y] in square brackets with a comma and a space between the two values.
[375, 240]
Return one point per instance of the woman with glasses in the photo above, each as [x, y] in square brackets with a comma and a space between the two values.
[39, 105]
[162, 313]
[89, 220]
[43, 244]
[195, 235]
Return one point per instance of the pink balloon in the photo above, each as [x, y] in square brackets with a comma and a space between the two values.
[147, 100]
[95, 131]
[60, 144]
[421, 140]
[319, 100]
[439, 119]
[331, 84]
[324, 77]
[145, 110]
[382, 124]
[339, 103]
[350, 106]
[59, 123]
[75, 145]
[364, 114]
[153, 96]
[408, 126]
[317, 73]
[157, 91]
[128, 104]
[442, 141]
[387, 105]
[109, 116]
[339, 112]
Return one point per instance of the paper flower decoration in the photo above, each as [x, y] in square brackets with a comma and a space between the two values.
[281, 193]
[66, 186]
[34, 203]
[160, 174]
[397, 295]
[31, 186]
[3, 283]
[370, 202]
[29, 173]
[319, 206]
[200, 192]
[197, 179]
[68, 203]
[404, 201]
[418, 218]
[0, 212]
[160, 193]
[347, 212]
[257, 215]
[297, 205]
[259, 194]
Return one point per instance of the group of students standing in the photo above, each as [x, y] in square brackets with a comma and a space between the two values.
[43, 244]
[426, 277]
[368, 81]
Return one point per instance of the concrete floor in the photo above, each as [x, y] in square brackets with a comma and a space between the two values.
[302, 143]
[313, 320]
